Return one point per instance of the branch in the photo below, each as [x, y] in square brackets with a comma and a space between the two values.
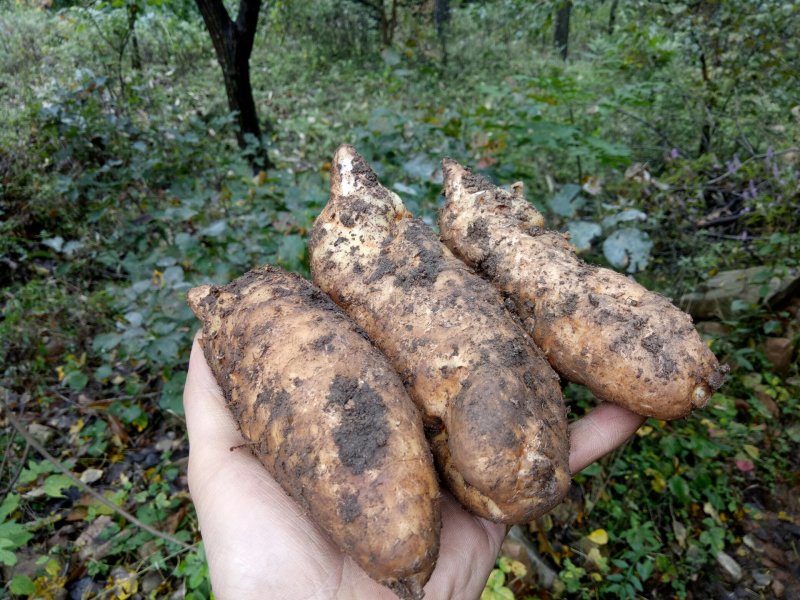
[102, 499]
[647, 124]
[247, 23]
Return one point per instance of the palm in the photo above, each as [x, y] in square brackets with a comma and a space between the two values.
[259, 544]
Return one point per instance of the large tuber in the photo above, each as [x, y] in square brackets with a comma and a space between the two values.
[598, 328]
[491, 403]
[328, 418]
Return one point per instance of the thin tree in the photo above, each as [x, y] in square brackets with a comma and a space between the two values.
[612, 17]
[441, 15]
[233, 44]
[561, 36]
[384, 15]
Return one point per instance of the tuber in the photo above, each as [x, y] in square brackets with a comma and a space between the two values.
[491, 404]
[329, 419]
[598, 328]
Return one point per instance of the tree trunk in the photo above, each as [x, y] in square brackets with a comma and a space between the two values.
[136, 56]
[388, 22]
[612, 17]
[441, 15]
[233, 44]
[561, 36]
[707, 130]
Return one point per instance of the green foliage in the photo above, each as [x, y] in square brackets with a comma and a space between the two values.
[13, 535]
[121, 186]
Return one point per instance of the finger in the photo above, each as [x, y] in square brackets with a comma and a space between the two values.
[468, 549]
[599, 432]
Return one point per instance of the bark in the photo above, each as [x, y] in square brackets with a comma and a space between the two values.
[441, 15]
[387, 21]
[233, 44]
[136, 56]
[707, 130]
[561, 36]
[612, 17]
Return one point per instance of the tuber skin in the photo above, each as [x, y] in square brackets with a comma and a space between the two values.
[626, 344]
[329, 419]
[491, 404]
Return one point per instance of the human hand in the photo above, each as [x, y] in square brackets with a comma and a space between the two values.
[260, 545]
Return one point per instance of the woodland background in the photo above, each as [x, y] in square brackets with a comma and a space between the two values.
[664, 136]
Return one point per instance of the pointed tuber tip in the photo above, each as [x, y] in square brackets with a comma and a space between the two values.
[196, 299]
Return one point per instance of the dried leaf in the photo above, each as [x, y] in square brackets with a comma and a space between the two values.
[599, 537]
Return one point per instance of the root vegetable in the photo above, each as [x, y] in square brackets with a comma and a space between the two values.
[598, 328]
[491, 403]
[328, 418]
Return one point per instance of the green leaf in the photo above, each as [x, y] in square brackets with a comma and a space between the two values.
[567, 201]
[76, 380]
[13, 535]
[22, 585]
[291, 251]
[496, 579]
[56, 484]
[172, 394]
[581, 234]
[629, 247]
[503, 593]
[7, 558]
[8, 506]
[680, 489]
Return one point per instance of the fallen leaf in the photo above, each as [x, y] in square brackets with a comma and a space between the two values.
[91, 475]
[599, 537]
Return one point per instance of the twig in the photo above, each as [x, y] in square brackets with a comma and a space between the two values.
[13, 480]
[727, 174]
[647, 124]
[721, 220]
[102, 499]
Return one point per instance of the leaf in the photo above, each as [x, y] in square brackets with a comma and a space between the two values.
[91, 475]
[644, 569]
[7, 558]
[8, 506]
[409, 190]
[215, 229]
[752, 451]
[599, 537]
[629, 248]
[503, 593]
[625, 216]
[582, 233]
[22, 585]
[76, 380]
[56, 243]
[680, 489]
[13, 535]
[679, 530]
[420, 167]
[172, 394]
[291, 252]
[518, 569]
[504, 564]
[496, 579]
[567, 201]
[54, 485]
[72, 247]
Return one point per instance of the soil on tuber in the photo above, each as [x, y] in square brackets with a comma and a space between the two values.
[628, 345]
[329, 419]
[491, 404]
